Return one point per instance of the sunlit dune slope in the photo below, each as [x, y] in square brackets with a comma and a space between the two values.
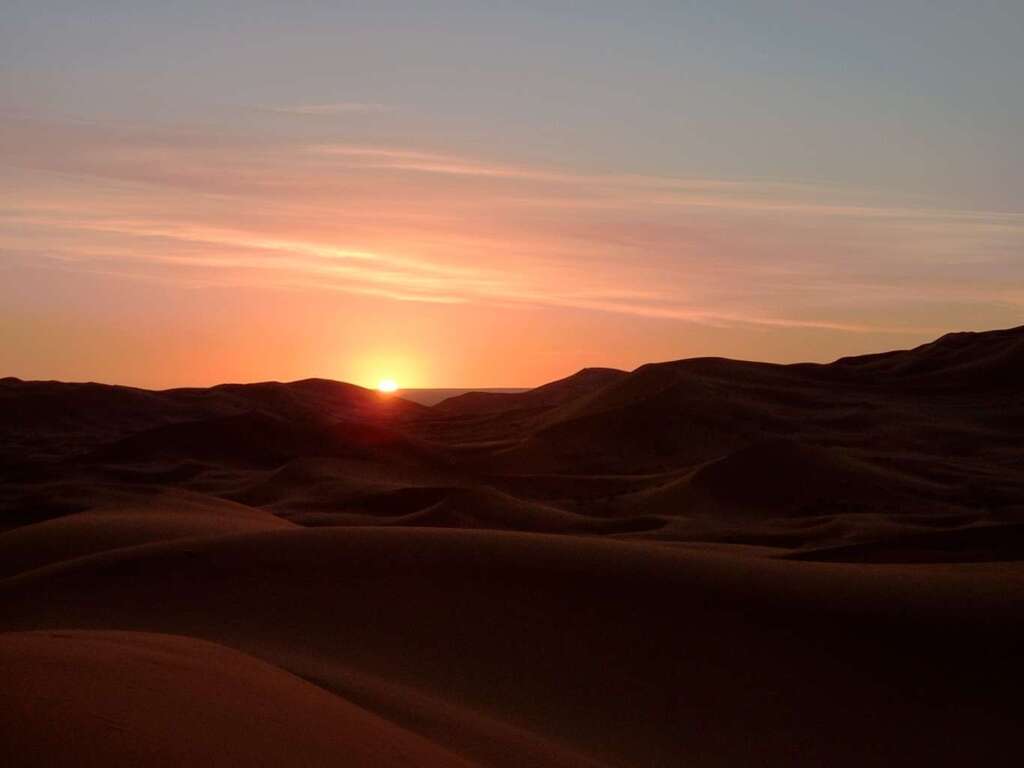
[126, 698]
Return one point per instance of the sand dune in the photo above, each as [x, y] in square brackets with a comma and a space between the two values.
[581, 383]
[261, 440]
[704, 562]
[169, 516]
[124, 698]
[626, 653]
[781, 478]
[51, 417]
[981, 361]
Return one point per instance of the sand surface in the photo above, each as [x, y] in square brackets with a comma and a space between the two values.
[698, 563]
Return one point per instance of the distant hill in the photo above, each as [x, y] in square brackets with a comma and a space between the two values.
[435, 396]
[554, 393]
[58, 418]
[682, 412]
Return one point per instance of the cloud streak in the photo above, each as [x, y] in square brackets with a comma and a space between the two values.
[328, 109]
[413, 225]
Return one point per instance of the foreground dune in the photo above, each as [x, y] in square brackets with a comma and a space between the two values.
[630, 654]
[126, 698]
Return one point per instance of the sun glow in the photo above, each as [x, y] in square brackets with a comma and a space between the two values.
[387, 385]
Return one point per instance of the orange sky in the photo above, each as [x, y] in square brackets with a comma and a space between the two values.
[162, 225]
[162, 258]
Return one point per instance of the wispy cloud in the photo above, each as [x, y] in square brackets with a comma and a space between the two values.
[328, 109]
[431, 162]
[408, 223]
[315, 266]
[744, 195]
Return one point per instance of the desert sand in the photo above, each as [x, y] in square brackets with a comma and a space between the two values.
[703, 562]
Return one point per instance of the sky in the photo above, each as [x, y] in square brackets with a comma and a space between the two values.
[473, 194]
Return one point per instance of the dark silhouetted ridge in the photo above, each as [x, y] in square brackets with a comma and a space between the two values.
[981, 360]
[54, 417]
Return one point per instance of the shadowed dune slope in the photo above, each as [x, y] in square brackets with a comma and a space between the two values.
[786, 477]
[262, 440]
[169, 516]
[980, 360]
[54, 418]
[489, 509]
[667, 415]
[632, 654]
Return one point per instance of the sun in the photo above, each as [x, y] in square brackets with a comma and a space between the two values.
[387, 385]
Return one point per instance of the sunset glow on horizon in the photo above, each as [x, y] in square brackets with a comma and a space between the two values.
[477, 197]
